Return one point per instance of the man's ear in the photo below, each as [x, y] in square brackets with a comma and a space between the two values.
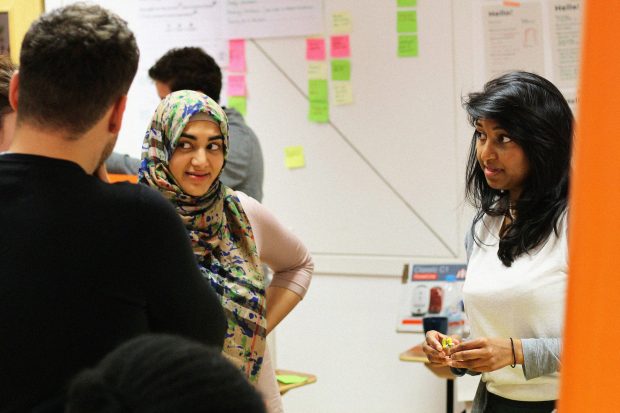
[116, 117]
[14, 90]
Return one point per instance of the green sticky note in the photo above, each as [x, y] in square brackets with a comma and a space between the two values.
[317, 89]
[294, 157]
[319, 111]
[341, 69]
[290, 379]
[407, 22]
[239, 103]
[408, 45]
[407, 3]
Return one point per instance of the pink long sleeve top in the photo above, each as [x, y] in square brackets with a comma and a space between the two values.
[279, 248]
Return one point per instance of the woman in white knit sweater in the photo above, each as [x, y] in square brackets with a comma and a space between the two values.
[514, 295]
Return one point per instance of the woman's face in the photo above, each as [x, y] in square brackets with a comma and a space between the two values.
[503, 161]
[198, 158]
[7, 128]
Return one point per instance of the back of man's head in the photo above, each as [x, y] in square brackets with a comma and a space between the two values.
[163, 373]
[189, 68]
[75, 62]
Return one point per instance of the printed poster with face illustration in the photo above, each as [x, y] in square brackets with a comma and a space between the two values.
[431, 290]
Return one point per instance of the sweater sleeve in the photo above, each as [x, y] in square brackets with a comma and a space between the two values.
[122, 164]
[279, 248]
[541, 356]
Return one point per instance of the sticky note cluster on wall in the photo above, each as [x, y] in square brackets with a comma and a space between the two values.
[407, 28]
[340, 53]
[339, 65]
[236, 87]
[317, 80]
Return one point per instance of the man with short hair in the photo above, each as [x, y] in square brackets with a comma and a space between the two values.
[84, 265]
[192, 69]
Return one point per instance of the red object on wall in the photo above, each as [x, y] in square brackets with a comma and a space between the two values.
[436, 300]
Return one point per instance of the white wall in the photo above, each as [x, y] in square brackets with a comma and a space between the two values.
[345, 329]
[408, 123]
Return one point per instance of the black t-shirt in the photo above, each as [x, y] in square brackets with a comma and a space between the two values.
[84, 266]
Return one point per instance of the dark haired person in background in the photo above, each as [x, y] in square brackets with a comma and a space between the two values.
[514, 295]
[7, 114]
[163, 373]
[72, 286]
[192, 69]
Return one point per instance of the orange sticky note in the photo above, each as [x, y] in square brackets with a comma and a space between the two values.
[236, 55]
[340, 46]
[315, 49]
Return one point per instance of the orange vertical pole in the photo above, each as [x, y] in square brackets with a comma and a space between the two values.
[591, 356]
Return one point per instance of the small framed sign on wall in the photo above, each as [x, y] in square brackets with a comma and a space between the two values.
[4, 34]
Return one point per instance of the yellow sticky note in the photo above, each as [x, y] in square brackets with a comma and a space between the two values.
[317, 70]
[342, 22]
[239, 103]
[343, 93]
[407, 3]
[294, 157]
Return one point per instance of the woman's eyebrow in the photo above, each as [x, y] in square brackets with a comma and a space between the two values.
[215, 138]
[187, 135]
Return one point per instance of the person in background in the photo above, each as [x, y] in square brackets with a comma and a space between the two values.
[72, 286]
[184, 152]
[163, 373]
[514, 294]
[7, 114]
[191, 68]
[119, 163]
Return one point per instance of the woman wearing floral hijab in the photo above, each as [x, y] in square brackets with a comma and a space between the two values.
[183, 154]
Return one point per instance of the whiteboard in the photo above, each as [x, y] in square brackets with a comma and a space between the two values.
[383, 179]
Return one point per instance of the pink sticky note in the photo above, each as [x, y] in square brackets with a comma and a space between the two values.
[236, 55]
[236, 85]
[340, 46]
[315, 49]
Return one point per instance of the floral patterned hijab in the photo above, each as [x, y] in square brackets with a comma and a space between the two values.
[219, 229]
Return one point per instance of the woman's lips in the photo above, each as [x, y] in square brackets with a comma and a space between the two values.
[491, 172]
[197, 175]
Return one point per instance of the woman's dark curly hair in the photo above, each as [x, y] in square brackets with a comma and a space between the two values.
[538, 119]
